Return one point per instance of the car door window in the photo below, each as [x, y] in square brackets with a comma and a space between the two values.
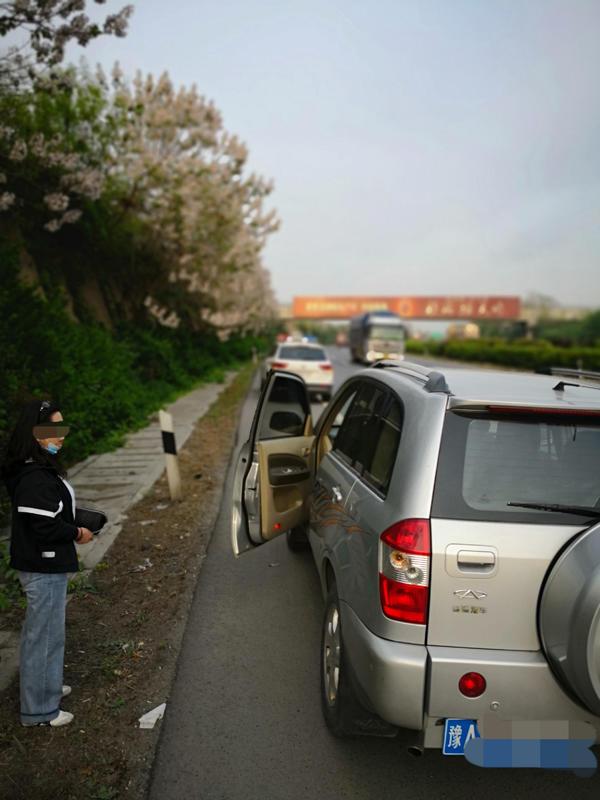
[338, 415]
[286, 410]
[379, 470]
[332, 424]
[355, 439]
[369, 437]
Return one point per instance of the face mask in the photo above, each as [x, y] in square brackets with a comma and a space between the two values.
[52, 448]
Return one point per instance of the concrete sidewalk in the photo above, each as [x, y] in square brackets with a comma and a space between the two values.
[114, 482]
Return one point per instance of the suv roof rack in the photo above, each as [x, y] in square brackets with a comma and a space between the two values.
[565, 372]
[433, 380]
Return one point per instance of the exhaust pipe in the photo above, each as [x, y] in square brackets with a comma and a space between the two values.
[416, 750]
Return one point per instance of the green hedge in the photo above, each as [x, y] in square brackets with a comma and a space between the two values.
[529, 355]
[106, 383]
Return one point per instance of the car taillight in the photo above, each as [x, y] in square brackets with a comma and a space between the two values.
[279, 365]
[404, 576]
[326, 367]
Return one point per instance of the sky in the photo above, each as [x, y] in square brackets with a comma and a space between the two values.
[416, 146]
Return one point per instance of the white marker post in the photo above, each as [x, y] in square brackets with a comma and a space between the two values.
[170, 448]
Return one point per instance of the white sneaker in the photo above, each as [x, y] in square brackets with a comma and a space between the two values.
[66, 691]
[64, 717]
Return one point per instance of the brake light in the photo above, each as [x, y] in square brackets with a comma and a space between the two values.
[279, 365]
[326, 367]
[472, 684]
[544, 410]
[404, 576]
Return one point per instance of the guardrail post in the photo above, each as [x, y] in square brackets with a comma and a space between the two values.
[170, 448]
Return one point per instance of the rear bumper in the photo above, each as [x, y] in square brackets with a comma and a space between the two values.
[320, 387]
[520, 682]
[390, 675]
[413, 686]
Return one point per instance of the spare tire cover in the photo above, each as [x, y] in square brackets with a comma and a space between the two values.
[569, 618]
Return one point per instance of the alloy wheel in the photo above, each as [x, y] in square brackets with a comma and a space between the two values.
[331, 654]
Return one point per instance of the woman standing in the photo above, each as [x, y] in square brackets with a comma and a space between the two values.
[42, 550]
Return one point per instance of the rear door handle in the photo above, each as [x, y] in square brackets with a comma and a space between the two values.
[476, 558]
[467, 559]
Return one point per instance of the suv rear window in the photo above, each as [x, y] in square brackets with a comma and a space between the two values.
[300, 353]
[487, 461]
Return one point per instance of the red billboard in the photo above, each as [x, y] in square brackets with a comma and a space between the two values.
[467, 307]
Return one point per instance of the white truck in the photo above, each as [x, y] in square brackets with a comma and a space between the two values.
[375, 336]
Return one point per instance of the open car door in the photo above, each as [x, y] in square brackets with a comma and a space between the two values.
[273, 474]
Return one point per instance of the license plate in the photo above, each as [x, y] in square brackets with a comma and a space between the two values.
[457, 732]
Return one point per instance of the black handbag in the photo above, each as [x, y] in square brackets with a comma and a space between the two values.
[90, 518]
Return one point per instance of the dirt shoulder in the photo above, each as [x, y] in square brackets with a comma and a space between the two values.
[125, 623]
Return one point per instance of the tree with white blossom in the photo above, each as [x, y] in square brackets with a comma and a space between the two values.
[27, 69]
[50, 162]
[46, 28]
[153, 159]
[185, 175]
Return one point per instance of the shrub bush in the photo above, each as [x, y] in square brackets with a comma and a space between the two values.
[107, 383]
[528, 355]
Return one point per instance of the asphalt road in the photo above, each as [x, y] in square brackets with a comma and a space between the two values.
[244, 720]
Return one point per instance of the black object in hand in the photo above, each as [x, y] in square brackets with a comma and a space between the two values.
[91, 519]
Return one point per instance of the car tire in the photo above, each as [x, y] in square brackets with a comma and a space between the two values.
[297, 540]
[343, 712]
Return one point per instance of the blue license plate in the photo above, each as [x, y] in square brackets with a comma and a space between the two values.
[457, 732]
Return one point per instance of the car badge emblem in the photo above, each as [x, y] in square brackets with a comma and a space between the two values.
[469, 593]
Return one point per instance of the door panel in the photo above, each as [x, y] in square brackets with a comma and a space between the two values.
[367, 515]
[272, 478]
[329, 522]
[285, 482]
[332, 484]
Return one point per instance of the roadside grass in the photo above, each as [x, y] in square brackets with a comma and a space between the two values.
[81, 583]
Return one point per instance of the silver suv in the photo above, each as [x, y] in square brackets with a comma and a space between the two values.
[453, 520]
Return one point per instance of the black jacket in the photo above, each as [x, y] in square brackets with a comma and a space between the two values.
[43, 530]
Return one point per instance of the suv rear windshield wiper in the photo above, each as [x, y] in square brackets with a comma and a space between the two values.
[558, 508]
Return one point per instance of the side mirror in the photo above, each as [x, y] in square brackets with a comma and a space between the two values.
[287, 422]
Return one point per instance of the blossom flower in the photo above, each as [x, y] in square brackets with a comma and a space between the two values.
[18, 151]
[7, 199]
[71, 216]
[116, 24]
[86, 182]
[56, 201]
[37, 145]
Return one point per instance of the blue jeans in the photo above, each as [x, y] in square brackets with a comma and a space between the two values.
[42, 646]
